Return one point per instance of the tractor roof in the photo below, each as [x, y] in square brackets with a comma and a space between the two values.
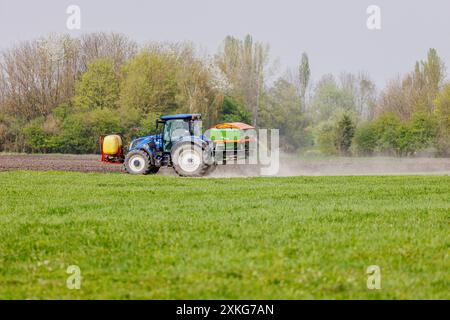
[184, 116]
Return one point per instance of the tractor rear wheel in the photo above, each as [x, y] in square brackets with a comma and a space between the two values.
[189, 160]
[138, 162]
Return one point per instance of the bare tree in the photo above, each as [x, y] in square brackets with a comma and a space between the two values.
[40, 75]
[197, 83]
[363, 91]
[3, 87]
[114, 46]
[393, 99]
[416, 91]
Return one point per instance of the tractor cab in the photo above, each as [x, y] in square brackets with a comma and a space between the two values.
[178, 127]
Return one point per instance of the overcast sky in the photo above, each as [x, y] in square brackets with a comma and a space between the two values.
[333, 33]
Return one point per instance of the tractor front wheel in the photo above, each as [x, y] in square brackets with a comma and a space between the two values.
[138, 162]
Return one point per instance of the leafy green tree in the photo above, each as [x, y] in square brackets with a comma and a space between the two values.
[426, 82]
[365, 140]
[325, 137]
[424, 130]
[345, 131]
[330, 100]
[434, 74]
[415, 135]
[442, 113]
[389, 135]
[304, 77]
[335, 135]
[388, 127]
[98, 87]
[149, 83]
[282, 112]
[233, 112]
[244, 63]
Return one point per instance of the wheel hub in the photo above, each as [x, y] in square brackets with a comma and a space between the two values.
[136, 163]
[189, 160]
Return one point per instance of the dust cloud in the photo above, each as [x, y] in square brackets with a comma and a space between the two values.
[345, 167]
[289, 166]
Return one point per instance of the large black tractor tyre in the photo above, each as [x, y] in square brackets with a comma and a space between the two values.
[138, 162]
[189, 160]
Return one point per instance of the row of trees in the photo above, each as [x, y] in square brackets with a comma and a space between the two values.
[345, 115]
[58, 94]
[411, 114]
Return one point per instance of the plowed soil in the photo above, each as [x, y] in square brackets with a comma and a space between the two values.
[288, 167]
[82, 163]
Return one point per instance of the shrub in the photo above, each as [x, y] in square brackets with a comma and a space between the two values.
[80, 132]
[405, 142]
[345, 130]
[37, 139]
[387, 127]
[326, 138]
[423, 129]
[75, 136]
[389, 135]
[365, 141]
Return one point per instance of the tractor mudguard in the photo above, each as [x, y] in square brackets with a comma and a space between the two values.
[146, 143]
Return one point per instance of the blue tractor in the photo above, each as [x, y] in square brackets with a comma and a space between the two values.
[180, 144]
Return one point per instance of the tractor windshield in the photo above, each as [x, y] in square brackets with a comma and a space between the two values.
[176, 129]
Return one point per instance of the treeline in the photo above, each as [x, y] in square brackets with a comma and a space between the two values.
[58, 94]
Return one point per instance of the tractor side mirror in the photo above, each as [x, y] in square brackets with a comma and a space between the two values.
[158, 122]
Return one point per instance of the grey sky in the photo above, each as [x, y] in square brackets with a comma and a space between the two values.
[333, 33]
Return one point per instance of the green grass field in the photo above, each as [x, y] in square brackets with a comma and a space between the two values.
[155, 237]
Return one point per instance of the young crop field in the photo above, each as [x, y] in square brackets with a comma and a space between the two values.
[163, 237]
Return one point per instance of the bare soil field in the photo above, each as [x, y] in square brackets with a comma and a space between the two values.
[288, 167]
[60, 162]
